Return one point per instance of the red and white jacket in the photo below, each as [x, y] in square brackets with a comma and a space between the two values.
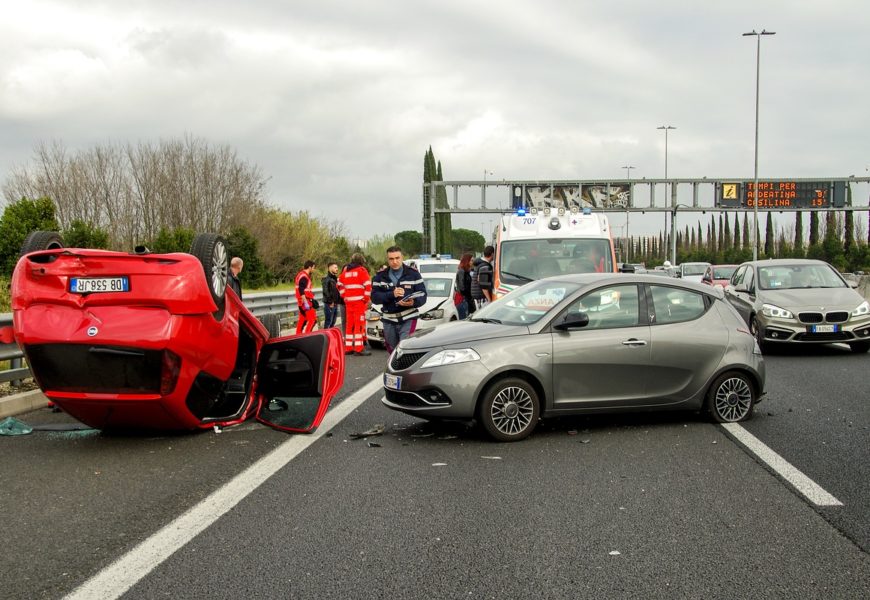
[355, 284]
[304, 293]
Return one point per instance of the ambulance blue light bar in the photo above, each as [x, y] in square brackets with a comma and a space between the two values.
[521, 212]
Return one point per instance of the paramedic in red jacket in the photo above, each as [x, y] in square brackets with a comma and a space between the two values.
[305, 299]
[355, 287]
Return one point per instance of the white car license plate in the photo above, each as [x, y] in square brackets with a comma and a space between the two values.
[394, 382]
[824, 329]
[90, 285]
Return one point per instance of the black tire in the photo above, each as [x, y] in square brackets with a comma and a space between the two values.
[757, 333]
[211, 250]
[41, 240]
[509, 410]
[731, 398]
[859, 347]
[376, 344]
[272, 323]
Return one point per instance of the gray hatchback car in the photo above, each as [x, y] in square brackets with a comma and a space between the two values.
[800, 301]
[581, 344]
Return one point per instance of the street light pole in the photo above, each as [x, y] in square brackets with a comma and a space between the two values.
[674, 254]
[755, 185]
[628, 169]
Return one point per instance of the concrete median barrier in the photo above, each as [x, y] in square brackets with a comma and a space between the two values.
[17, 404]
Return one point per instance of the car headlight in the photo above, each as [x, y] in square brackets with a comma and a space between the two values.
[438, 313]
[373, 315]
[863, 309]
[771, 310]
[450, 357]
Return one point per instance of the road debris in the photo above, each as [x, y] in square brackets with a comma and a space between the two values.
[376, 430]
[12, 426]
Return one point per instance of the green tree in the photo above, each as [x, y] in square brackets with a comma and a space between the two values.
[746, 240]
[466, 240]
[736, 243]
[173, 240]
[443, 243]
[85, 235]
[19, 219]
[831, 244]
[254, 274]
[411, 242]
[814, 228]
[769, 236]
[798, 234]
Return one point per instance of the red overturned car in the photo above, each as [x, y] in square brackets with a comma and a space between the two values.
[157, 341]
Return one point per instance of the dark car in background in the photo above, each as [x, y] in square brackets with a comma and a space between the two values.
[799, 301]
[576, 344]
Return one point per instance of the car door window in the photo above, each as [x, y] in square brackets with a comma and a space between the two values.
[673, 305]
[749, 280]
[738, 276]
[609, 307]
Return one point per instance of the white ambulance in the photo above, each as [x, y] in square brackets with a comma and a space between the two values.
[543, 242]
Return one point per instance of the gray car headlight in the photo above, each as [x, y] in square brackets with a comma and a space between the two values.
[771, 310]
[863, 309]
[438, 313]
[450, 357]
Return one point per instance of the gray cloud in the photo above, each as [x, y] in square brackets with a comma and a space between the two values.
[339, 101]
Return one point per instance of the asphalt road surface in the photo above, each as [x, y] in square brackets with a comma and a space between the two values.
[646, 505]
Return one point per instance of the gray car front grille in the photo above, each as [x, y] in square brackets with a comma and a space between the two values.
[404, 361]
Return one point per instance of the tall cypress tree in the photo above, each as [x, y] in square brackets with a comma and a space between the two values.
[427, 177]
[799, 234]
[444, 242]
[721, 240]
[728, 242]
[814, 228]
[768, 236]
[714, 245]
[746, 240]
[736, 231]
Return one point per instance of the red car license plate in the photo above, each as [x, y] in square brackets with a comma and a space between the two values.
[90, 285]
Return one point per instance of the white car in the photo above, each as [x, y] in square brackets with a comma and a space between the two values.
[438, 309]
[434, 264]
[692, 271]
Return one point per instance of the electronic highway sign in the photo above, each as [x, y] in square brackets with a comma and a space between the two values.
[780, 194]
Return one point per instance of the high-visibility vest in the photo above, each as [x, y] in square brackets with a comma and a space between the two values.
[309, 293]
[354, 284]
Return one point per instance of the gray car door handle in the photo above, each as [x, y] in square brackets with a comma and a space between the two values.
[634, 342]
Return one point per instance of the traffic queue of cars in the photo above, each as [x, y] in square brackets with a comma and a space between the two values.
[562, 345]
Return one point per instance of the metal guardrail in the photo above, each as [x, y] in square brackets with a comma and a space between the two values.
[281, 303]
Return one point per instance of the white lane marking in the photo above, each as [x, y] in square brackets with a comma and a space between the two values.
[124, 573]
[806, 486]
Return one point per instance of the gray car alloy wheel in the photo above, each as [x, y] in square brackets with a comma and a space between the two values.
[510, 410]
[731, 398]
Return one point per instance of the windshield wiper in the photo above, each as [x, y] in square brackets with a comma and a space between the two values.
[486, 320]
[523, 277]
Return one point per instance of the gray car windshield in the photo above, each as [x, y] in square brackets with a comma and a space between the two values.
[527, 304]
[791, 277]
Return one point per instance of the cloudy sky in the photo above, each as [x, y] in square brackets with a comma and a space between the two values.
[337, 102]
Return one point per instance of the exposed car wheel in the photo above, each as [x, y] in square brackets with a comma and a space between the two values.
[755, 329]
[731, 398]
[509, 410]
[41, 240]
[272, 323]
[859, 347]
[211, 250]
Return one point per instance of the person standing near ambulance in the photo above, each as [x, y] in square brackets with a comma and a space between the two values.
[389, 289]
[355, 288]
[305, 299]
